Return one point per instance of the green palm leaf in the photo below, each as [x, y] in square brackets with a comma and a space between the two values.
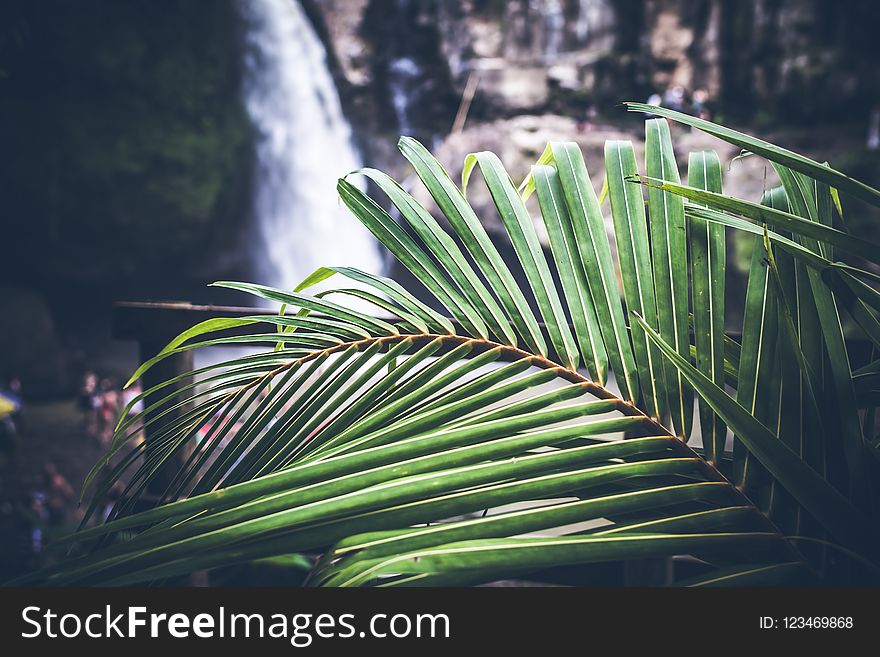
[463, 219]
[572, 274]
[634, 254]
[772, 152]
[595, 251]
[668, 245]
[447, 253]
[708, 257]
[824, 502]
[525, 241]
[453, 439]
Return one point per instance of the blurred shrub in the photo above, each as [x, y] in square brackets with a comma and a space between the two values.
[124, 142]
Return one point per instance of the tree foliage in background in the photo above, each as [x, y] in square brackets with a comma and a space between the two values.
[484, 442]
[124, 138]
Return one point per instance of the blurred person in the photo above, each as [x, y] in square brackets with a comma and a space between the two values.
[130, 396]
[87, 389]
[37, 520]
[89, 402]
[587, 120]
[873, 142]
[674, 98]
[60, 496]
[108, 412]
[700, 105]
[10, 421]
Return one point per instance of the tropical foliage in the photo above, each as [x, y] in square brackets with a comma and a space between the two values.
[522, 409]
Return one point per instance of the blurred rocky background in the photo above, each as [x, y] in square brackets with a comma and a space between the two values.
[404, 64]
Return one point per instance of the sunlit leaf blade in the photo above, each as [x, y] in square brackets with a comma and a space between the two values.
[634, 256]
[669, 249]
[320, 275]
[796, 249]
[410, 255]
[772, 152]
[571, 271]
[777, 219]
[334, 310]
[521, 230]
[380, 306]
[519, 521]
[471, 562]
[527, 186]
[447, 253]
[595, 252]
[207, 326]
[708, 258]
[399, 294]
[472, 233]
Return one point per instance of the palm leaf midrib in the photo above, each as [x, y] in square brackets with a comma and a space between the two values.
[508, 352]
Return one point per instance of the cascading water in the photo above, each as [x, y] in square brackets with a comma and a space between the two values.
[554, 28]
[403, 77]
[407, 81]
[304, 144]
[594, 24]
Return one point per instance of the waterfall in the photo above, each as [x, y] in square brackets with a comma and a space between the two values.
[594, 24]
[584, 20]
[553, 16]
[303, 145]
[403, 77]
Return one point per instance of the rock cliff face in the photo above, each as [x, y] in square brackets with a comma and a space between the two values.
[806, 59]
[561, 68]
[558, 69]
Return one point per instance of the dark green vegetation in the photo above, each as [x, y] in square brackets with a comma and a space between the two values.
[125, 145]
[379, 443]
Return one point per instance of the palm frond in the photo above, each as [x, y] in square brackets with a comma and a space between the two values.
[668, 244]
[595, 253]
[634, 256]
[708, 258]
[453, 439]
[572, 274]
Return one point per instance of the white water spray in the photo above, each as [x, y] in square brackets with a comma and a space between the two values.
[304, 144]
